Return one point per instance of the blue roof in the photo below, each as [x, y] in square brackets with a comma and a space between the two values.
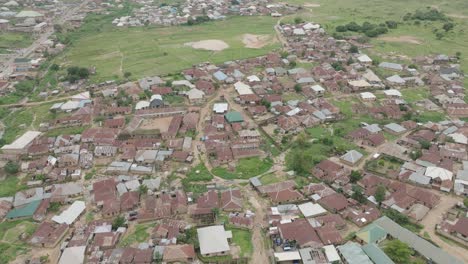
[220, 76]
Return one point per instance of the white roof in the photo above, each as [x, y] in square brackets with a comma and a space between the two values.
[183, 83]
[371, 76]
[141, 105]
[437, 172]
[364, 58]
[367, 95]
[318, 88]
[298, 31]
[213, 239]
[287, 256]
[396, 79]
[352, 156]
[310, 209]
[23, 141]
[459, 138]
[195, 94]
[73, 255]
[71, 214]
[309, 26]
[70, 105]
[331, 253]
[359, 83]
[242, 88]
[220, 107]
[156, 96]
[253, 78]
[392, 92]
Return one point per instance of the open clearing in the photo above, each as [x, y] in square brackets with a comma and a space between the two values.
[256, 41]
[210, 44]
[402, 39]
[146, 51]
[161, 124]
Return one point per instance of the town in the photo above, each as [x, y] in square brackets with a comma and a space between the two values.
[316, 151]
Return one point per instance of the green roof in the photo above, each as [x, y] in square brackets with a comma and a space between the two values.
[371, 233]
[25, 211]
[376, 254]
[234, 117]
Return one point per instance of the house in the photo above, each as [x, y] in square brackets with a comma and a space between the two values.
[231, 200]
[214, 241]
[234, 117]
[311, 210]
[334, 203]
[318, 90]
[352, 253]
[392, 93]
[220, 108]
[179, 253]
[376, 254]
[21, 144]
[364, 59]
[460, 229]
[351, 157]
[371, 234]
[394, 129]
[391, 66]
[368, 96]
[329, 171]
[48, 234]
[195, 96]
[301, 231]
[73, 255]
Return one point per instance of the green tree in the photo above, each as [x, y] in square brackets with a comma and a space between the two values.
[358, 195]
[465, 202]
[127, 75]
[353, 49]
[398, 251]
[448, 26]
[355, 176]
[119, 221]
[298, 88]
[143, 189]
[298, 20]
[380, 193]
[11, 168]
[54, 67]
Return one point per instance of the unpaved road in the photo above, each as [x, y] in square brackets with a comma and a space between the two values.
[434, 217]
[259, 248]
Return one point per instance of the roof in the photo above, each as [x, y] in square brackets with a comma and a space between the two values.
[23, 141]
[71, 214]
[376, 254]
[331, 253]
[353, 254]
[28, 13]
[352, 156]
[461, 226]
[73, 255]
[220, 76]
[395, 127]
[25, 211]
[195, 94]
[437, 172]
[364, 58]
[234, 117]
[367, 95]
[213, 239]
[220, 107]
[242, 88]
[359, 83]
[392, 92]
[371, 233]
[391, 65]
[396, 79]
[310, 209]
[287, 256]
[419, 244]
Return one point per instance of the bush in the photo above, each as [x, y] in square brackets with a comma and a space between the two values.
[353, 49]
[11, 168]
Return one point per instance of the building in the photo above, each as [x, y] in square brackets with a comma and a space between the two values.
[214, 240]
[21, 144]
[352, 253]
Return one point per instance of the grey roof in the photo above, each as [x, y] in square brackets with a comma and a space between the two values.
[395, 127]
[373, 128]
[376, 254]
[220, 76]
[306, 80]
[391, 65]
[352, 156]
[419, 178]
[353, 254]
[396, 79]
[255, 181]
[152, 184]
[419, 244]
[213, 239]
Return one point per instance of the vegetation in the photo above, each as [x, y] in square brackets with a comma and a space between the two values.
[398, 251]
[76, 73]
[11, 168]
[245, 169]
[139, 235]
[402, 220]
[11, 244]
[380, 193]
[119, 221]
[243, 239]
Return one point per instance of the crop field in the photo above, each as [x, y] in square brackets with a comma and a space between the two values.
[148, 51]
[408, 39]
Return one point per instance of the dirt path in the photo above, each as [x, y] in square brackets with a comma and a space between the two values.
[434, 217]
[260, 255]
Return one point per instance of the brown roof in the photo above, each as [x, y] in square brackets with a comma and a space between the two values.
[329, 235]
[335, 201]
[301, 231]
[231, 200]
[48, 233]
[208, 200]
[129, 200]
[178, 252]
[461, 226]
[285, 195]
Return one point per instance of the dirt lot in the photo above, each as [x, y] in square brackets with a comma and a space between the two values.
[162, 124]
[209, 44]
[255, 41]
[403, 39]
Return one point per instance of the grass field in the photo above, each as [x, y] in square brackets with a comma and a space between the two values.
[331, 13]
[13, 40]
[11, 246]
[147, 51]
[10, 186]
[246, 168]
[243, 238]
[139, 235]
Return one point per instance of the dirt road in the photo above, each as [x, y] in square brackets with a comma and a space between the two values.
[434, 217]
[260, 255]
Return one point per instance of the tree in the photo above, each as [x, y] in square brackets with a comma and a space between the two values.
[465, 202]
[353, 49]
[358, 195]
[355, 176]
[425, 144]
[448, 26]
[380, 193]
[298, 20]
[127, 75]
[54, 67]
[143, 189]
[118, 222]
[11, 168]
[298, 88]
[398, 251]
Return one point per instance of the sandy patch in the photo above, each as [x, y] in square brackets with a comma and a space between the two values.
[255, 41]
[312, 5]
[161, 124]
[209, 44]
[403, 39]
[458, 16]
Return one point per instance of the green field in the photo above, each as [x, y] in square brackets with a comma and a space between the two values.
[147, 51]
[10, 244]
[245, 169]
[331, 13]
[12, 40]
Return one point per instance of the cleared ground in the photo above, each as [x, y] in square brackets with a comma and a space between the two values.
[147, 51]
